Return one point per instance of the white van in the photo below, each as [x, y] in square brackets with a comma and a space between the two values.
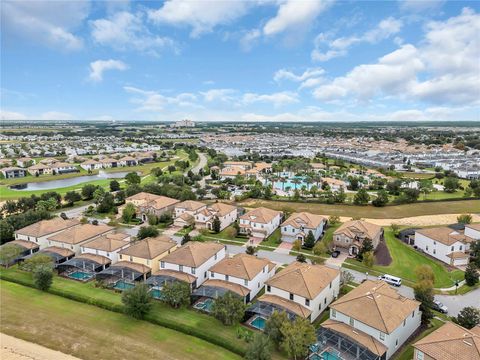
[392, 280]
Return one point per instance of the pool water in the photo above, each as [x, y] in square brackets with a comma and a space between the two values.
[329, 356]
[205, 305]
[156, 293]
[289, 183]
[80, 275]
[258, 323]
[122, 285]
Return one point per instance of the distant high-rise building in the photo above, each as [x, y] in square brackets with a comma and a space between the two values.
[184, 123]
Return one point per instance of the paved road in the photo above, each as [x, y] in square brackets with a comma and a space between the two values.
[201, 164]
[75, 212]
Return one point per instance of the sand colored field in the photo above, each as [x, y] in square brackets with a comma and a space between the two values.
[17, 349]
[426, 220]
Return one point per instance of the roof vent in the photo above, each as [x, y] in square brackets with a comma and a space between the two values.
[467, 343]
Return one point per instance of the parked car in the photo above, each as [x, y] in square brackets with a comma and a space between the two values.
[390, 279]
[437, 305]
[335, 253]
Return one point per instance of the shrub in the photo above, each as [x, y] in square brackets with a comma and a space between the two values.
[42, 278]
[137, 301]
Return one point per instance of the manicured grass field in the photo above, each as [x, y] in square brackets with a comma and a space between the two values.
[387, 212]
[89, 332]
[405, 260]
[274, 239]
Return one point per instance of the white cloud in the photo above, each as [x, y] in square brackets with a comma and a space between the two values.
[97, 68]
[284, 74]
[49, 22]
[224, 95]
[126, 31]
[12, 115]
[201, 16]
[443, 69]
[154, 101]
[249, 39]
[420, 5]
[294, 14]
[277, 99]
[56, 115]
[49, 115]
[339, 47]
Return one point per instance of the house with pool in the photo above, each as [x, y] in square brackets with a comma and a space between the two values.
[127, 161]
[74, 237]
[108, 245]
[298, 225]
[371, 322]
[351, 235]
[40, 169]
[227, 214]
[57, 254]
[260, 222]
[83, 267]
[148, 251]
[124, 275]
[26, 248]
[149, 204]
[185, 212]
[243, 275]
[301, 289]
[41, 230]
[194, 259]
[91, 165]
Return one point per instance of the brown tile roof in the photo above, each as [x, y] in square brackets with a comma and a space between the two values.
[261, 215]
[473, 226]
[458, 255]
[151, 200]
[39, 167]
[143, 269]
[127, 158]
[221, 209]
[149, 248]
[358, 336]
[359, 227]
[190, 205]
[242, 266]
[90, 162]
[303, 279]
[232, 171]
[451, 342]
[180, 275]
[81, 233]
[376, 304]
[25, 244]
[305, 219]
[46, 227]
[236, 288]
[289, 305]
[193, 254]
[108, 242]
[58, 250]
[445, 235]
[99, 259]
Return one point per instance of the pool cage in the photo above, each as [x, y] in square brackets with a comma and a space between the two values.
[56, 257]
[160, 280]
[266, 309]
[347, 348]
[84, 265]
[115, 273]
[212, 292]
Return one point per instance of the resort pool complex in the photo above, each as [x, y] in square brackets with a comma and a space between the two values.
[291, 184]
[80, 275]
[205, 305]
[122, 285]
[258, 323]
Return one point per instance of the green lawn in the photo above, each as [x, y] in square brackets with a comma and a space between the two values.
[224, 235]
[274, 239]
[88, 332]
[407, 352]
[404, 261]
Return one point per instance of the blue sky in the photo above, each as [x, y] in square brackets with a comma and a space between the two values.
[265, 60]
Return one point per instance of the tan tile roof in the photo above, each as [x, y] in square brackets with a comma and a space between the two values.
[186, 217]
[90, 162]
[303, 279]
[359, 227]
[143, 196]
[376, 304]
[49, 161]
[451, 342]
[25, 244]
[239, 163]
[190, 205]
[108, 242]
[149, 248]
[261, 215]
[45, 227]
[289, 305]
[143, 269]
[305, 219]
[445, 235]
[232, 171]
[39, 167]
[220, 209]
[242, 266]
[127, 158]
[236, 288]
[156, 201]
[180, 275]
[358, 336]
[458, 255]
[81, 233]
[193, 254]
[12, 168]
[58, 250]
[99, 259]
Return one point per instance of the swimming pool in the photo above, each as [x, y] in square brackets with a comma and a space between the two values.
[156, 293]
[258, 323]
[288, 183]
[80, 275]
[205, 305]
[122, 285]
[326, 355]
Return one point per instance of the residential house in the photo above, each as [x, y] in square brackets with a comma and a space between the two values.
[75, 237]
[449, 342]
[230, 172]
[150, 204]
[304, 289]
[26, 248]
[351, 234]
[13, 172]
[473, 231]
[227, 214]
[41, 230]
[185, 212]
[445, 244]
[372, 321]
[260, 222]
[298, 226]
[25, 162]
[127, 161]
[243, 274]
[48, 161]
[91, 165]
[148, 251]
[109, 163]
[335, 184]
[63, 168]
[108, 245]
[194, 258]
[40, 169]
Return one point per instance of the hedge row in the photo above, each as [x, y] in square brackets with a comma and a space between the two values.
[185, 329]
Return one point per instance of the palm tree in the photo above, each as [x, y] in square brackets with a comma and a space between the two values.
[282, 180]
[295, 182]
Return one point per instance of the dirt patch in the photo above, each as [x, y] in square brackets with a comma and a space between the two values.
[427, 220]
[382, 255]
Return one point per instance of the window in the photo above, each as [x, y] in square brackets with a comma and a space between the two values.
[269, 288]
[413, 314]
[334, 313]
[205, 274]
[284, 229]
[453, 248]
[226, 277]
[460, 248]
[419, 355]
[245, 282]
[426, 248]
[291, 296]
[434, 243]
[264, 269]
[193, 270]
[120, 257]
[162, 264]
[382, 336]
[215, 257]
[325, 301]
[330, 286]
[180, 267]
[396, 343]
[131, 258]
[213, 274]
[404, 322]
[434, 251]
[307, 302]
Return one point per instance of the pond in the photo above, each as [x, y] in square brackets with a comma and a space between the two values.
[54, 184]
